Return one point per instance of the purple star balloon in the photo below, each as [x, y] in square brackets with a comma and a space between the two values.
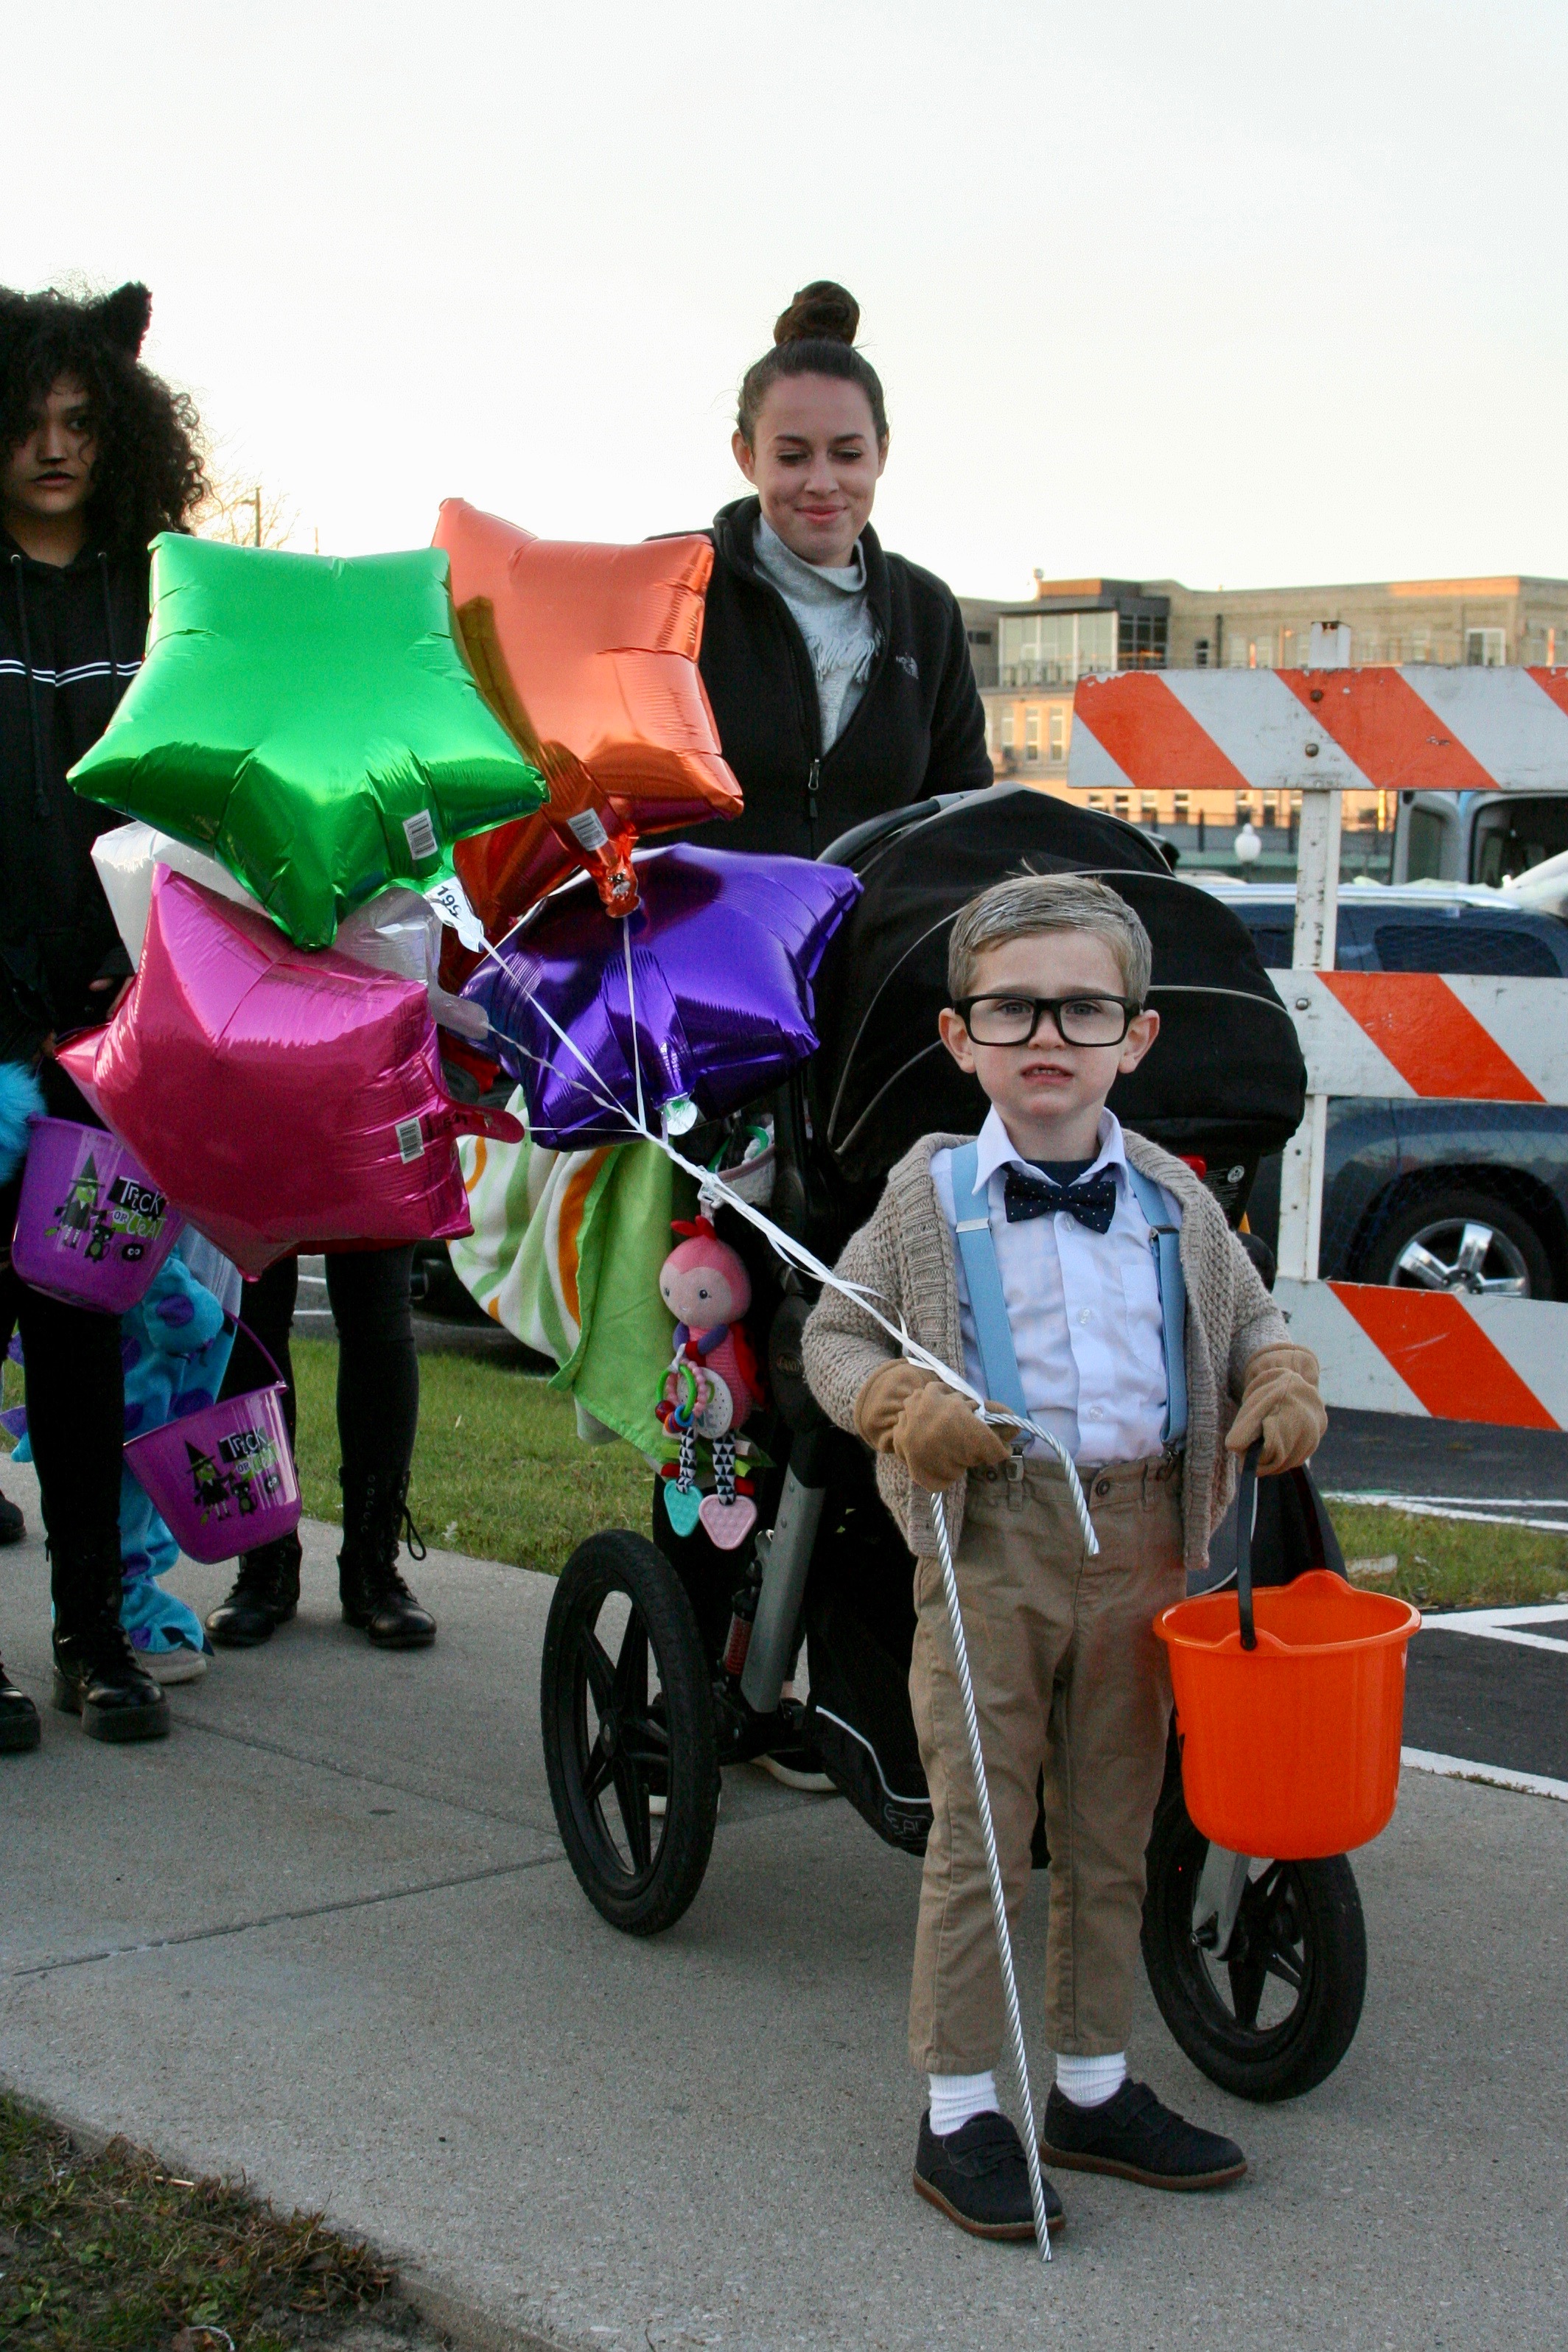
[724, 949]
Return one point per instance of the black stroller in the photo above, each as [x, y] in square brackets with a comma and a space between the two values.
[663, 1659]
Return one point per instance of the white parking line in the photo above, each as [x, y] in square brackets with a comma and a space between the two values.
[1459, 1768]
[1506, 1624]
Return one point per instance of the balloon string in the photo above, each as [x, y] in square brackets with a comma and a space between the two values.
[796, 1254]
[632, 1018]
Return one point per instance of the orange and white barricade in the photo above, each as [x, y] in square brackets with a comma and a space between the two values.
[1423, 1036]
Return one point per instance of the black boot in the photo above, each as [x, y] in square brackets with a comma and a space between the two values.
[375, 1597]
[13, 1526]
[96, 1678]
[18, 1718]
[266, 1595]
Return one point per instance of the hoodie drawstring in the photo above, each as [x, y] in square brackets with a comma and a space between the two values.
[40, 780]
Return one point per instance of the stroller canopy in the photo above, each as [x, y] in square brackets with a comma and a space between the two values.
[1225, 1079]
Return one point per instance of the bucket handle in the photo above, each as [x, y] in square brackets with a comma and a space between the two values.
[257, 1344]
[1246, 1521]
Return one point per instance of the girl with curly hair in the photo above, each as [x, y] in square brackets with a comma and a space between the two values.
[97, 455]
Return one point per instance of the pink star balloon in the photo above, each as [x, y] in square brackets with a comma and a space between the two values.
[283, 1098]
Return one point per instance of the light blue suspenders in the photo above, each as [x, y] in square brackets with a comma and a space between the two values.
[994, 1332]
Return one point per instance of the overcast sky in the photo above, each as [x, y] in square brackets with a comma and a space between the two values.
[1239, 294]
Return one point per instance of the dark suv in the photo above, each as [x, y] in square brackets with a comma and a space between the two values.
[1441, 1195]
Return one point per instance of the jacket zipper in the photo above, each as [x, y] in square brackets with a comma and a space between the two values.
[812, 787]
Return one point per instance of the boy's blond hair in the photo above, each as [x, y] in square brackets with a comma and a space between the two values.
[1027, 904]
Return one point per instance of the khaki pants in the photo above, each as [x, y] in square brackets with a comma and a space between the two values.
[1069, 1677]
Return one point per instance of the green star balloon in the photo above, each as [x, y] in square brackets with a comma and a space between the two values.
[312, 721]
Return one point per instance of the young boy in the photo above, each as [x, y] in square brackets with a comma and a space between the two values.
[1033, 1259]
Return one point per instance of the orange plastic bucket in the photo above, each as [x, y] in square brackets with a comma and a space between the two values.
[1291, 1750]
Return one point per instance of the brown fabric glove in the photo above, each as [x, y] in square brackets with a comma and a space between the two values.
[939, 1436]
[884, 1396]
[1279, 1402]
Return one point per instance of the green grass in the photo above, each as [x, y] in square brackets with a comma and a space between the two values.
[1456, 1563]
[499, 1469]
[111, 2252]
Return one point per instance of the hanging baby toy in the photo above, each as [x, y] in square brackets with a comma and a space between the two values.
[712, 1385]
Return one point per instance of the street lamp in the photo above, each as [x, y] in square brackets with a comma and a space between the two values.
[1248, 844]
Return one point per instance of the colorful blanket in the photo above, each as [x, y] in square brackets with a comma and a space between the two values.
[565, 1253]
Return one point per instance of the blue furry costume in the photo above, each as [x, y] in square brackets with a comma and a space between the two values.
[174, 1345]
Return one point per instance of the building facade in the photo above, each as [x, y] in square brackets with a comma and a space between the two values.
[1029, 657]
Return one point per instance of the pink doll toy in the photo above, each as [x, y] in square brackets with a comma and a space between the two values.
[712, 1385]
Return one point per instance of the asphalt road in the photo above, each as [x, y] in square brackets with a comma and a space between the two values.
[1464, 1462]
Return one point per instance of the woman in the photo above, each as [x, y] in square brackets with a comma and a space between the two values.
[839, 676]
[96, 456]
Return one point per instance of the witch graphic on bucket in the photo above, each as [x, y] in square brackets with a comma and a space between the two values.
[209, 1485]
[78, 1210]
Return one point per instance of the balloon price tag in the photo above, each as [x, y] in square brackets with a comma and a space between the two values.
[451, 901]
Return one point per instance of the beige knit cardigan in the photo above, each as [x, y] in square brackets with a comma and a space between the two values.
[904, 1258]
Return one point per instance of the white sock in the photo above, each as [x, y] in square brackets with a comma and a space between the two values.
[956, 2099]
[1090, 2082]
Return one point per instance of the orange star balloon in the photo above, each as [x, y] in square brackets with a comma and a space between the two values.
[588, 655]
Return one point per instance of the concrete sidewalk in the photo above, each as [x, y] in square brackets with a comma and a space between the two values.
[325, 1933]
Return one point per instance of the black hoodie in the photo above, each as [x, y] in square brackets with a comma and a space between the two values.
[918, 729]
[72, 638]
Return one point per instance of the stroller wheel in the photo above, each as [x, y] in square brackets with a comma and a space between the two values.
[626, 1717]
[1274, 2016]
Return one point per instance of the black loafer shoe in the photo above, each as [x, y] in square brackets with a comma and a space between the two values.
[979, 2177]
[1137, 2138]
[96, 1678]
[13, 1526]
[19, 1725]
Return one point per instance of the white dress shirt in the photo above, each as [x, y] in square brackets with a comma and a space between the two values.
[1084, 1306]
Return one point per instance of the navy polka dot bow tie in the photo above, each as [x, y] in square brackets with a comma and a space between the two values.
[1092, 1203]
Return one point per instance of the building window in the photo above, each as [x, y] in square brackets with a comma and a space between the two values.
[1486, 649]
[1200, 653]
[1180, 808]
[1097, 800]
[1141, 639]
[979, 636]
[1236, 654]
[1418, 646]
[1056, 648]
[1243, 809]
[1032, 737]
[1123, 807]
[1008, 737]
[1270, 811]
[1058, 737]
[1149, 810]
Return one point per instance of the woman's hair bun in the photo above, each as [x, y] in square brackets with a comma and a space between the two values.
[821, 312]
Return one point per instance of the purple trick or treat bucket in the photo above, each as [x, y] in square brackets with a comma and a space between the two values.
[224, 1478]
[92, 1228]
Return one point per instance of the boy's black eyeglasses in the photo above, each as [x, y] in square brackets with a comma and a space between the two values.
[1080, 1020]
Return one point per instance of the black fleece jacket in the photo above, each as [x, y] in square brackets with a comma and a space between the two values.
[71, 639]
[918, 729]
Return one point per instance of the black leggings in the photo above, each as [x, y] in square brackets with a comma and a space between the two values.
[76, 1405]
[378, 1370]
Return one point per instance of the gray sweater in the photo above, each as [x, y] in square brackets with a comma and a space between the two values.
[904, 1258]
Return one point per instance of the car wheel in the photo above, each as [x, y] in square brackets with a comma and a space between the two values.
[1460, 1241]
